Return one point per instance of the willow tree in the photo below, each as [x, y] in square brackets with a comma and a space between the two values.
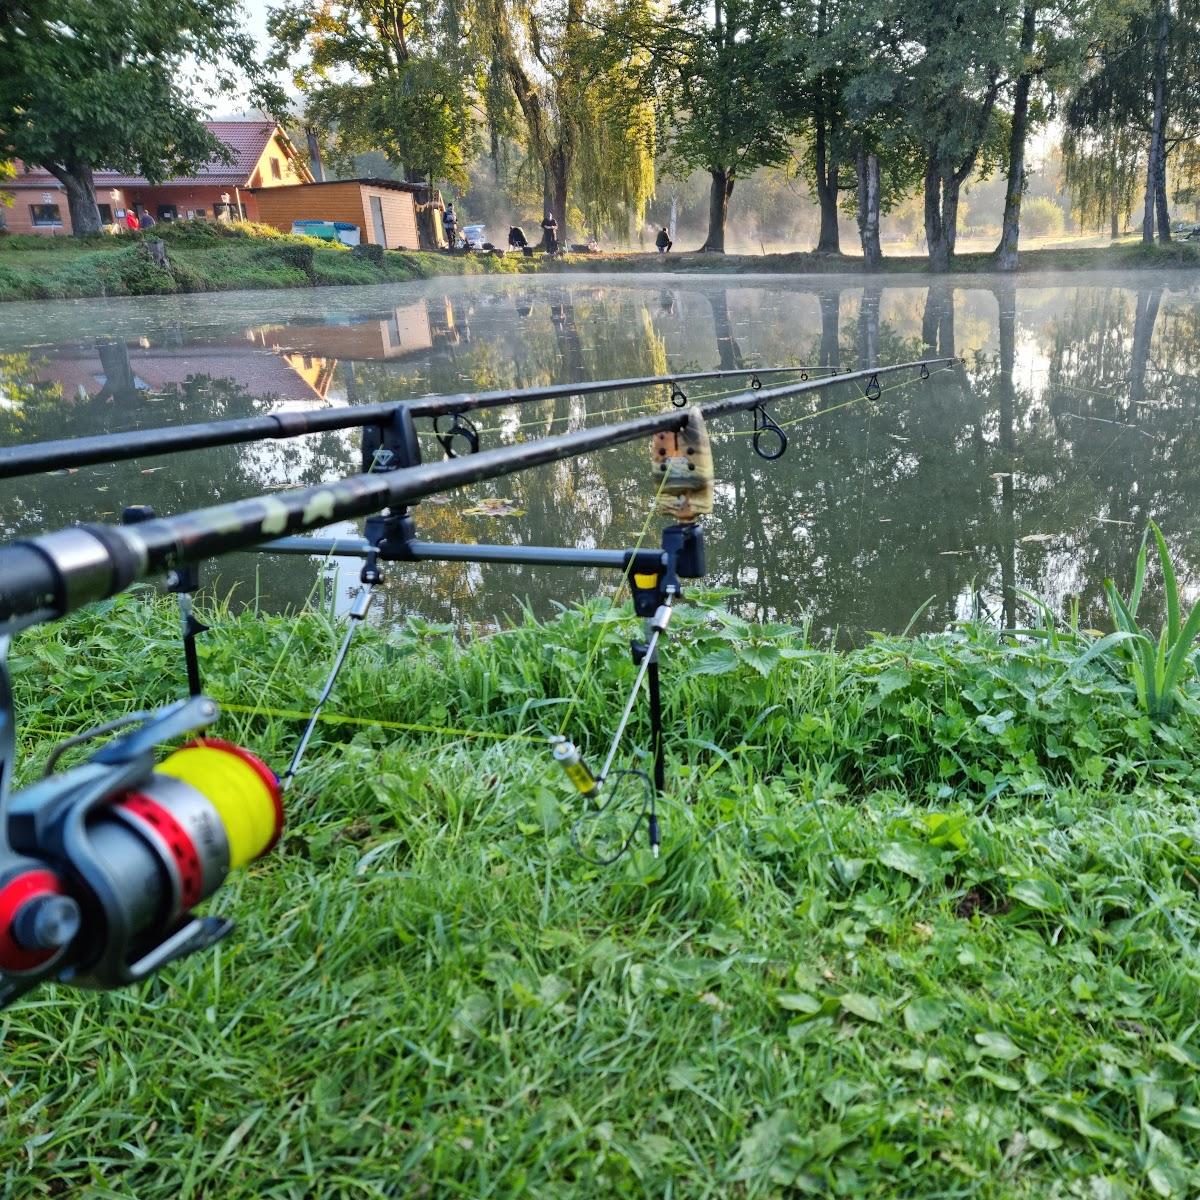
[1144, 78]
[614, 170]
[575, 87]
[385, 75]
[1101, 170]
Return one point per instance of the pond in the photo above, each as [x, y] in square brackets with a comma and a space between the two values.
[1034, 467]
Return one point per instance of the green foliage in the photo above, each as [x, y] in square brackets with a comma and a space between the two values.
[118, 84]
[207, 258]
[1041, 217]
[381, 75]
[917, 930]
[721, 71]
[1157, 666]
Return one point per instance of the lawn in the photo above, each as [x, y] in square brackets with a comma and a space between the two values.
[205, 258]
[924, 925]
[209, 258]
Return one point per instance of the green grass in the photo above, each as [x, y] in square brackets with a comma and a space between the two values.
[206, 258]
[1122, 257]
[210, 258]
[924, 925]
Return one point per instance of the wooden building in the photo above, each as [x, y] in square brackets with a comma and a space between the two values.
[264, 159]
[385, 210]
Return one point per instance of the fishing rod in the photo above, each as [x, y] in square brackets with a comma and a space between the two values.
[46, 577]
[70, 453]
[102, 865]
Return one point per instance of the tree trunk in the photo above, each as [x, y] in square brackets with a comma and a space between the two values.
[950, 188]
[1006, 300]
[936, 237]
[729, 353]
[1148, 300]
[1010, 230]
[1157, 123]
[831, 305]
[1160, 186]
[868, 326]
[1114, 219]
[866, 167]
[827, 195]
[81, 197]
[560, 169]
[720, 189]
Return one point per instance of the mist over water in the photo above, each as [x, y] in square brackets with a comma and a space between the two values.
[1033, 467]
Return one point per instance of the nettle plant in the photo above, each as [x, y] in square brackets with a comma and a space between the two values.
[1158, 666]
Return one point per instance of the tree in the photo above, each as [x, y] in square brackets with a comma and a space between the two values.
[118, 85]
[571, 79]
[864, 47]
[718, 93]
[958, 59]
[818, 108]
[1143, 76]
[1101, 170]
[385, 75]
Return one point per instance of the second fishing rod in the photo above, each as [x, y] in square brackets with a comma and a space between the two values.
[47, 577]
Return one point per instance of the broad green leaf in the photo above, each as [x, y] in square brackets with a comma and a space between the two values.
[1153, 1099]
[716, 662]
[918, 859]
[1043, 894]
[993, 1044]
[798, 1002]
[1074, 1116]
[891, 681]
[1170, 586]
[865, 1007]
[1041, 1138]
[924, 1014]
[764, 659]
[1006, 1083]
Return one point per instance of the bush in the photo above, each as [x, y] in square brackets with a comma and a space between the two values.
[1042, 217]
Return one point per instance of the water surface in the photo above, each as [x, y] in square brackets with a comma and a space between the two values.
[1034, 467]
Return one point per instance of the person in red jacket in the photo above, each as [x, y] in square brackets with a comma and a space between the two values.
[131, 220]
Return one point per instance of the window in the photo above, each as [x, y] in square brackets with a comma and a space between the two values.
[106, 216]
[275, 172]
[168, 212]
[45, 214]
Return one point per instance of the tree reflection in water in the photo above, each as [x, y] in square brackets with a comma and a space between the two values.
[1033, 467]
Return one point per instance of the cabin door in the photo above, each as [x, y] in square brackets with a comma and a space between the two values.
[377, 221]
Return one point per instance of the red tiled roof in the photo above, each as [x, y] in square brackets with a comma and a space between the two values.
[245, 139]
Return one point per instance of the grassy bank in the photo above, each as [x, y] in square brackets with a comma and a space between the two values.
[213, 258]
[924, 925]
[205, 258]
[1124, 257]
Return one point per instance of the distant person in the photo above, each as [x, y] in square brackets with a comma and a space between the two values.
[516, 238]
[450, 224]
[147, 221]
[663, 241]
[131, 221]
[550, 233]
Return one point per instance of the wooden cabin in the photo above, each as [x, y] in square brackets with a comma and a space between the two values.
[385, 210]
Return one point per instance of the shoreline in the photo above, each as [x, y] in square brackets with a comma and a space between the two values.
[223, 260]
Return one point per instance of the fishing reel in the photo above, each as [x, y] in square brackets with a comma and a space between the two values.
[102, 864]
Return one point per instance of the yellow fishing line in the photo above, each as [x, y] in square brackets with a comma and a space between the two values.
[294, 714]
